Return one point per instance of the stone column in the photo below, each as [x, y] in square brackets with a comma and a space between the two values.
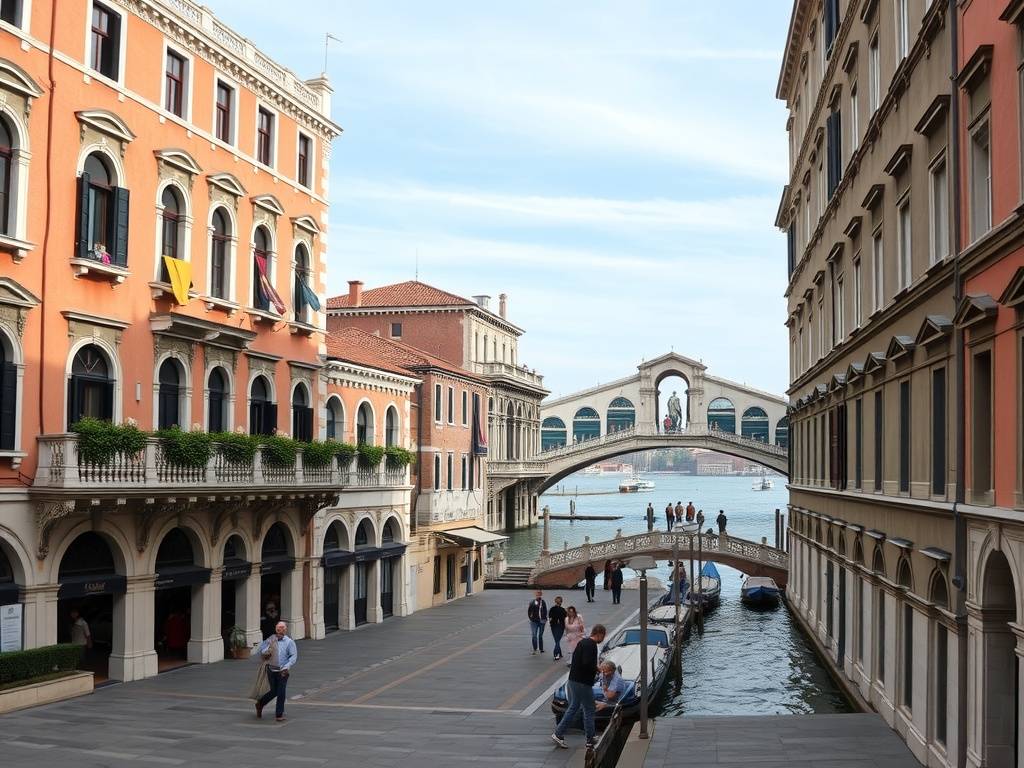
[374, 614]
[401, 588]
[133, 656]
[547, 531]
[247, 605]
[206, 644]
[317, 595]
[347, 585]
[40, 615]
[291, 599]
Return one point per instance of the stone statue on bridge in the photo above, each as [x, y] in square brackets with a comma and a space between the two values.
[675, 412]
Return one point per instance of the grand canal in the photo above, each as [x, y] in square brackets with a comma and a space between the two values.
[746, 662]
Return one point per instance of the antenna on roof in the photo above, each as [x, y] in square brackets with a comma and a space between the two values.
[327, 40]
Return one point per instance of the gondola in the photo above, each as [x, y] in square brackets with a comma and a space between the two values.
[760, 592]
[710, 592]
[624, 649]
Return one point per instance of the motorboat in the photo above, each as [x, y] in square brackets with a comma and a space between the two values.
[710, 591]
[760, 592]
[763, 483]
[624, 650]
[635, 484]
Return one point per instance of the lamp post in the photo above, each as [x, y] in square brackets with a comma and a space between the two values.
[642, 563]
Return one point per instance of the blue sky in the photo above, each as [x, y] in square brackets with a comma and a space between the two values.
[613, 167]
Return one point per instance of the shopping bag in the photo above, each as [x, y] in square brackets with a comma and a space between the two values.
[261, 685]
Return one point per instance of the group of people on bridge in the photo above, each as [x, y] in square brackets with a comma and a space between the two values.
[678, 514]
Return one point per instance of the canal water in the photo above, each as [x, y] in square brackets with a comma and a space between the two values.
[746, 662]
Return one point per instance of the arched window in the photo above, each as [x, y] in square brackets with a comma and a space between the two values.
[220, 245]
[263, 269]
[858, 552]
[170, 228]
[234, 550]
[335, 418]
[88, 555]
[552, 433]
[754, 424]
[302, 414]
[782, 432]
[939, 593]
[275, 543]
[334, 538]
[217, 415]
[621, 414]
[391, 427]
[175, 551]
[904, 575]
[511, 426]
[586, 425]
[102, 214]
[262, 410]
[91, 387]
[6, 172]
[8, 395]
[363, 534]
[387, 536]
[878, 562]
[305, 301]
[169, 396]
[364, 425]
[722, 415]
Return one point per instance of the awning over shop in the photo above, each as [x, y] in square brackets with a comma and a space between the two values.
[277, 565]
[181, 576]
[471, 537]
[83, 586]
[236, 569]
[9, 593]
[336, 558]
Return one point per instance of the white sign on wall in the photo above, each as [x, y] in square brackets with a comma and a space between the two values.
[10, 627]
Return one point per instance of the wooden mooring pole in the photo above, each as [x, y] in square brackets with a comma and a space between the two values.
[778, 529]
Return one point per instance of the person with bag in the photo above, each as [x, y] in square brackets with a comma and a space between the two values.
[537, 613]
[279, 654]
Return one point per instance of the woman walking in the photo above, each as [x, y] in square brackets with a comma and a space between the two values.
[574, 630]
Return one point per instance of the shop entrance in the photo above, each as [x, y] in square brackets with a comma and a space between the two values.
[387, 588]
[89, 586]
[178, 583]
[276, 564]
[359, 604]
[232, 589]
[336, 559]
[450, 594]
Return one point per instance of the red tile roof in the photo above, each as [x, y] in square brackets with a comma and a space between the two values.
[408, 294]
[357, 346]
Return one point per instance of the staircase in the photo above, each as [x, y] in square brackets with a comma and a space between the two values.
[514, 577]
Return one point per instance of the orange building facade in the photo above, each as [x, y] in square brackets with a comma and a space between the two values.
[163, 209]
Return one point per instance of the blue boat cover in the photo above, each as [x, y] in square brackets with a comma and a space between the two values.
[710, 571]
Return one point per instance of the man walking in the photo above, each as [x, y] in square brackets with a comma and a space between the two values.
[650, 517]
[679, 513]
[556, 618]
[690, 512]
[700, 520]
[669, 516]
[590, 576]
[537, 613]
[616, 584]
[281, 654]
[580, 688]
[721, 520]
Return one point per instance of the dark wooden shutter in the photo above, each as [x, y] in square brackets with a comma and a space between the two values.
[306, 422]
[8, 404]
[108, 401]
[82, 244]
[120, 226]
[255, 417]
[269, 418]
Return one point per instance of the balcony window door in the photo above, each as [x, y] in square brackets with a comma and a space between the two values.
[220, 244]
[170, 391]
[364, 425]
[6, 156]
[8, 396]
[262, 409]
[216, 419]
[102, 214]
[302, 414]
[91, 387]
[170, 229]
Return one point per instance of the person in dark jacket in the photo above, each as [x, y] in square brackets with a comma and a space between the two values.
[580, 687]
[556, 618]
[607, 574]
[616, 585]
[670, 516]
[721, 520]
[650, 517]
[590, 576]
[537, 613]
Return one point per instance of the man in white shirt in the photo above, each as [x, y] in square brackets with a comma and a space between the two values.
[281, 654]
[80, 634]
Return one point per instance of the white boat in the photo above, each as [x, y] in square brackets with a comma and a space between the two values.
[594, 469]
[635, 484]
[763, 483]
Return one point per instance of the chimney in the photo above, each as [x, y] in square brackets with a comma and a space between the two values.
[355, 293]
[503, 305]
[483, 301]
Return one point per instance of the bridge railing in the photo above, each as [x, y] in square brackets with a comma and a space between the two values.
[650, 430]
[623, 547]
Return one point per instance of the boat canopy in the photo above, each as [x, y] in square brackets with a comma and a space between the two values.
[471, 537]
[710, 571]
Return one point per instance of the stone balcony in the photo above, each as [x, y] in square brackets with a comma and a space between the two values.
[515, 373]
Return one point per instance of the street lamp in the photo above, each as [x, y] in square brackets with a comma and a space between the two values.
[642, 563]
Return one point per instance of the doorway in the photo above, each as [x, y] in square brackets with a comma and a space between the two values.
[359, 603]
[451, 577]
[841, 655]
[387, 588]
[176, 576]
[234, 577]
[275, 563]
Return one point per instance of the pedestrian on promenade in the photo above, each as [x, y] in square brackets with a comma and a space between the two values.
[616, 585]
[556, 618]
[281, 654]
[537, 613]
[590, 576]
[650, 517]
[690, 512]
[721, 520]
[574, 630]
[612, 685]
[669, 516]
[679, 513]
[607, 574]
[579, 689]
[700, 520]
[80, 634]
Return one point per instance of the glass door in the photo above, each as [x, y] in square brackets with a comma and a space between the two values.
[332, 585]
[359, 605]
[387, 586]
[451, 577]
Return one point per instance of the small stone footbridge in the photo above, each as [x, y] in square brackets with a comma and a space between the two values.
[565, 568]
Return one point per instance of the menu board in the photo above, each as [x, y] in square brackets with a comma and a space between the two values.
[10, 627]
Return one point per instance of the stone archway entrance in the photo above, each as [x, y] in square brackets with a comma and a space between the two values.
[672, 401]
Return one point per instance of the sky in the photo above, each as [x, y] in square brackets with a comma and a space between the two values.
[613, 167]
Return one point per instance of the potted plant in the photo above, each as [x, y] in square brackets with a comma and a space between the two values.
[238, 643]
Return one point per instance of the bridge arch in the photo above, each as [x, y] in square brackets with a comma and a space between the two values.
[722, 415]
[552, 433]
[684, 395]
[586, 425]
[754, 424]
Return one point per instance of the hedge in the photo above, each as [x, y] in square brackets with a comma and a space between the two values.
[186, 449]
[16, 666]
[279, 450]
[370, 455]
[397, 457]
[99, 441]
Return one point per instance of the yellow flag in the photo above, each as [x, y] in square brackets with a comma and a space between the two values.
[180, 272]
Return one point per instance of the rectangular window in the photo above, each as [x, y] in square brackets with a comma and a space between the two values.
[451, 405]
[831, 21]
[465, 472]
[834, 129]
[858, 443]
[10, 11]
[902, 30]
[821, 327]
[396, 330]
[799, 350]
[939, 432]
[225, 112]
[465, 408]
[879, 439]
[908, 657]
[174, 97]
[874, 75]
[981, 181]
[840, 330]
[451, 471]
[854, 119]
[904, 437]
[105, 56]
[938, 212]
[791, 249]
[437, 574]
[305, 160]
[880, 637]
[437, 404]
[858, 308]
[981, 425]
[941, 672]
[437, 472]
[860, 619]
[265, 137]
[810, 340]
[878, 271]
[903, 241]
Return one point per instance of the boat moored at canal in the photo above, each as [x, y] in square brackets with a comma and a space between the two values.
[760, 592]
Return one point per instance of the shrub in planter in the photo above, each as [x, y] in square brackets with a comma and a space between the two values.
[99, 441]
[38, 662]
[186, 449]
[397, 457]
[345, 453]
[370, 455]
[316, 454]
[279, 450]
[238, 642]
[235, 447]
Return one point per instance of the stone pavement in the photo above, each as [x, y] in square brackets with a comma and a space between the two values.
[454, 685]
[782, 741]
